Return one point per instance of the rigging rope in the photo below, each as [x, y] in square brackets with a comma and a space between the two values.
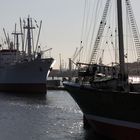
[88, 22]
[134, 28]
[131, 51]
[106, 36]
[91, 23]
[97, 11]
[83, 23]
[89, 30]
[99, 34]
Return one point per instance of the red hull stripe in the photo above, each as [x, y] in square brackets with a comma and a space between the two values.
[116, 132]
[114, 121]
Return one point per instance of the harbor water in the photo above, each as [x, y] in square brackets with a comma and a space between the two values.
[52, 117]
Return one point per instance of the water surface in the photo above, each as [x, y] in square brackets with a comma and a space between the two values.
[52, 117]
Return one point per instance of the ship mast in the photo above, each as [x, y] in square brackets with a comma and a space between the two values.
[17, 39]
[120, 40]
[29, 27]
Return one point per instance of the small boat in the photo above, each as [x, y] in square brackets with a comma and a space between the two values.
[109, 101]
[24, 69]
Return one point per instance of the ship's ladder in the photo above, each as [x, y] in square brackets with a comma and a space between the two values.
[134, 28]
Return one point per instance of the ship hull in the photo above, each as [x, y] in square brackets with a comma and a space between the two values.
[112, 114]
[117, 131]
[24, 88]
[27, 77]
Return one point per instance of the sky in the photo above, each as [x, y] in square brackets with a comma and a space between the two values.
[61, 26]
[61, 22]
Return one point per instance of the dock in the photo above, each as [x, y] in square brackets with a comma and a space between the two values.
[56, 77]
[55, 84]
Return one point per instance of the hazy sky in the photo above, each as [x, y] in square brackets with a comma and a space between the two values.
[61, 27]
[62, 21]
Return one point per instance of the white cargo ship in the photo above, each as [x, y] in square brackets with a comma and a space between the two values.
[24, 70]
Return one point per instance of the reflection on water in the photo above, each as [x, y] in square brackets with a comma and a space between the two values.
[52, 117]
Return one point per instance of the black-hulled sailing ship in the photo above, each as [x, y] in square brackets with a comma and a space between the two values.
[109, 101]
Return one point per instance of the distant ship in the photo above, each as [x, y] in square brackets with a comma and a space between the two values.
[109, 101]
[24, 70]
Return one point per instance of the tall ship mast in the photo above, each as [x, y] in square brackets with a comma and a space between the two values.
[108, 99]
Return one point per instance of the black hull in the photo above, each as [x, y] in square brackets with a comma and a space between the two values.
[114, 114]
[24, 88]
